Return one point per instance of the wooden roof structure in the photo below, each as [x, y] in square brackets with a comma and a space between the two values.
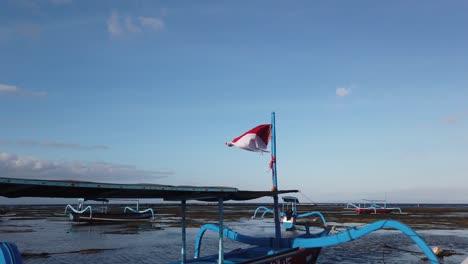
[14, 187]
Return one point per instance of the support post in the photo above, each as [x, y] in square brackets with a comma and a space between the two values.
[221, 240]
[184, 246]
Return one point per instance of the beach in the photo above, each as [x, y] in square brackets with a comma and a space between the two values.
[45, 235]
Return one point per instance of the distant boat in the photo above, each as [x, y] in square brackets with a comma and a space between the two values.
[289, 213]
[373, 207]
[108, 217]
[6, 213]
[88, 214]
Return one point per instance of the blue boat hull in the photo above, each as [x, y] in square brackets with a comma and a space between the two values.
[263, 255]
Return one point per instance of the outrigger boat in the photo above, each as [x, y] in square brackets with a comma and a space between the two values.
[303, 248]
[88, 214]
[289, 213]
[373, 207]
[6, 213]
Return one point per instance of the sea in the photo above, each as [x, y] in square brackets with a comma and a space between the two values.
[55, 239]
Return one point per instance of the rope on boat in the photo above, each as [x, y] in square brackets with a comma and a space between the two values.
[307, 197]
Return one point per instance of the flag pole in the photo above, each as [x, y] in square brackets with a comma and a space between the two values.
[274, 178]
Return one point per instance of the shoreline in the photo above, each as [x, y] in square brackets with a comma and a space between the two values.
[418, 218]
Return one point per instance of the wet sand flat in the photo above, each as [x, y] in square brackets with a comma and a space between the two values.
[45, 235]
[418, 218]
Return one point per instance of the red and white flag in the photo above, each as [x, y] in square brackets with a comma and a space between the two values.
[256, 139]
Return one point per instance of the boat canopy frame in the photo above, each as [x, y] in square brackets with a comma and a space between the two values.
[13, 188]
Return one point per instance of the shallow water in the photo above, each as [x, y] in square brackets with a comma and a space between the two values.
[159, 243]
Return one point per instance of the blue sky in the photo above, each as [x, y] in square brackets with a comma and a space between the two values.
[371, 97]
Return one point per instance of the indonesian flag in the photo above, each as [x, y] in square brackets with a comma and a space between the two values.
[255, 139]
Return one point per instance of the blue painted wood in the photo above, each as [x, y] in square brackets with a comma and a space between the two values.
[320, 239]
[9, 254]
[231, 234]
[287, 225]
[354, 233]
[183, 251]
[266, 210]
[275, 181]
[273, 150]
[290, 199]
[220, 233]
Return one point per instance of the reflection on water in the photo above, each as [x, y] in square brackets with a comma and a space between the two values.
[159, 243]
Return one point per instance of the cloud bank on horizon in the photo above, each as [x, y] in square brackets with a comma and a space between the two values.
[26, 167]
[53, 144]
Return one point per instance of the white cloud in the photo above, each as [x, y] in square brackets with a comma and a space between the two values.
[343, 91]
[151, 22]
[130, 26]
[53, 144]
[113, 24]
[6, 89]
[119, 25]
[15, 166]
